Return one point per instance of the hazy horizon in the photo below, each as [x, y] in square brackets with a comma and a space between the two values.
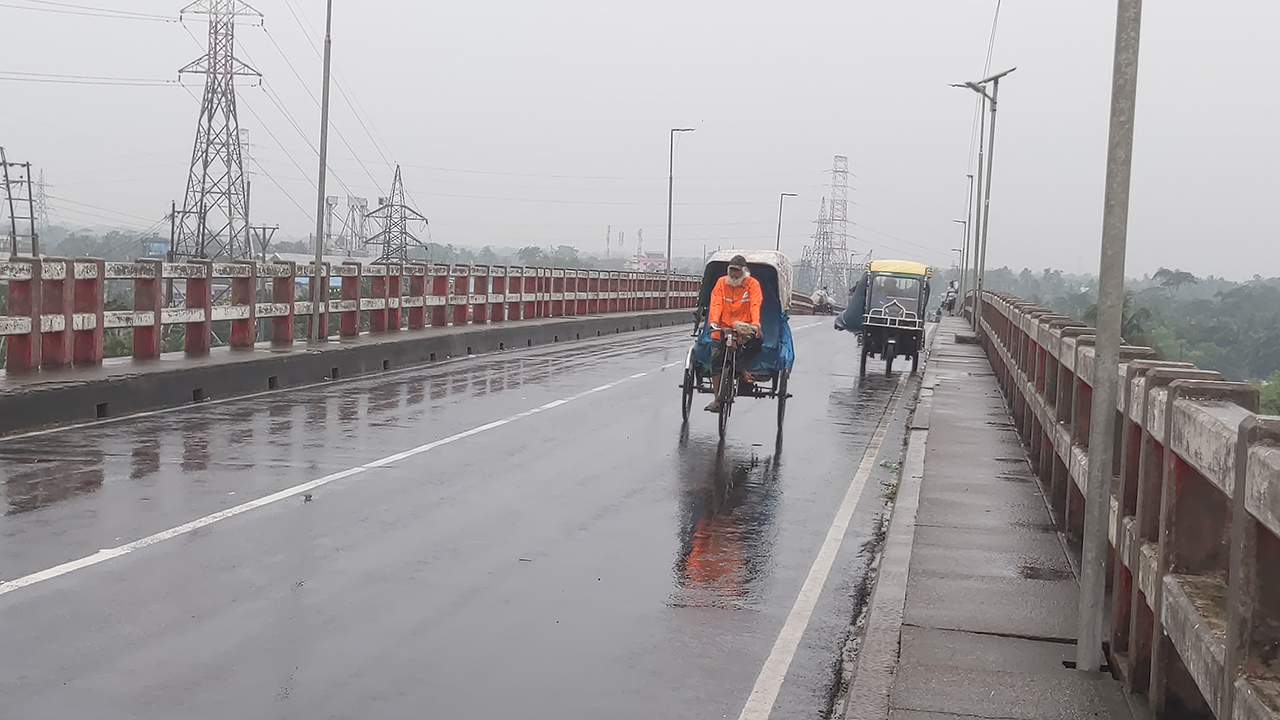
[518, 125]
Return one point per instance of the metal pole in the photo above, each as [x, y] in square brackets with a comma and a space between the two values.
[977, 230]
[986, 208]
[671, 192]
[1115, 225]
[8, 192]
[986, 213]
[320, 294]
[783, 196]
[968, 241]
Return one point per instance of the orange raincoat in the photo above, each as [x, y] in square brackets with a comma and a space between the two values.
[735, 304]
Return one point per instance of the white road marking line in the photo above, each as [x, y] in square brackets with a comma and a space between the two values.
[765, 693]
[110, 554]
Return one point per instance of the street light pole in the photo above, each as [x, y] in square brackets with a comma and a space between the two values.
[784, 196]
[1115, 226]
[671, 192]
[319, 284]
[968, 237]
[964, 259]
[992, 99]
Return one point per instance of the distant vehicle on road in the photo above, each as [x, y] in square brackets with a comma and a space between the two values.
[887, 310]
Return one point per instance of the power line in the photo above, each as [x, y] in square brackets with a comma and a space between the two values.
[66, 79]
[88, 11]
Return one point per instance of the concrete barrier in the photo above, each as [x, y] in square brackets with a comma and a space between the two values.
[1195, 509]
[30, 402]
[58, 310]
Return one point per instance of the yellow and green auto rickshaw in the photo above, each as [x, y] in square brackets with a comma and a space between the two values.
[887, 308]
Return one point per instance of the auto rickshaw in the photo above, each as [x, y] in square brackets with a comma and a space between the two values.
[772, 367]
[887, 306]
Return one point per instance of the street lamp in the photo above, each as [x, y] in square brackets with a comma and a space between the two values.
[783, 196]
[980, 245]
[671, 191]
[964, 255]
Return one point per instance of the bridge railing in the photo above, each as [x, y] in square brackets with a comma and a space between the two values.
[58, 316]
[1195, 508]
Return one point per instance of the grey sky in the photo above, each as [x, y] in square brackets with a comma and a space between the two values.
[558, 111]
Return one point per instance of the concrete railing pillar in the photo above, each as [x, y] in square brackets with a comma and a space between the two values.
[148, 302]
[25, 295]
[200, 297]
[90, 301]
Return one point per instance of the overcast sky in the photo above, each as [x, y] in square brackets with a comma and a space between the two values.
[544, 123]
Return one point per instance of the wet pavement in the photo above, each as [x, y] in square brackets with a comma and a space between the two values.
[539, 558]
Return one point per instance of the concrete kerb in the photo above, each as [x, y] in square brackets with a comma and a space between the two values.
[877, 660]
[113, 392]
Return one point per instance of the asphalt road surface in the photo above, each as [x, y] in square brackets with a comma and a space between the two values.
[530, 534]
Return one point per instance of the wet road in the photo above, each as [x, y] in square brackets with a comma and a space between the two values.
[528, 534]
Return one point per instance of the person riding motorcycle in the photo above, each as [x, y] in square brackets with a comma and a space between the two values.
[735, 306]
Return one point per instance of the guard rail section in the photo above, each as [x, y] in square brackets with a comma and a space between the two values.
[1195, 509]
[57, 307]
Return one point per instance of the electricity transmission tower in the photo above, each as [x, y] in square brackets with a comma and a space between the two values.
[20, 204]
[214, 221]
[395, 217]
[42, 205]
[354, 228]
[827, 263]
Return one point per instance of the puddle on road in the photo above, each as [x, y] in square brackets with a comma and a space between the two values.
[729, 503]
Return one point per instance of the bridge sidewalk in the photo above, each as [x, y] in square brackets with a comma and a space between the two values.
[974, 611]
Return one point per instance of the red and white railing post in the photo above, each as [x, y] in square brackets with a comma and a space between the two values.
[284, 292]
[498, 293]
[148, 307]
[199, 301]
[25, 294]
[244, 301]
[480, 294]
[57, 313]
[90, 312]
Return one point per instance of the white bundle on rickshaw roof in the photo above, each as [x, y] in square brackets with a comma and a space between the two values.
[773, 259]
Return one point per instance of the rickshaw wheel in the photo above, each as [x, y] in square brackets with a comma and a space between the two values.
[862, 370]
[890, 351]
[686, 394]
[726, 407]
[782, 396]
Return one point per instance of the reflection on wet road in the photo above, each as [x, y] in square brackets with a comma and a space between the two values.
[592, 560]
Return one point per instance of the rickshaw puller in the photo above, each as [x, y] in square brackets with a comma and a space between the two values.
[736, 298]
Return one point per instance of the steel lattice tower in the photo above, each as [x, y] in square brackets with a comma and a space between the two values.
[42, 205]
[395, 217]
[353, 235]
[20, 203]
[214, 220]
[826, 263]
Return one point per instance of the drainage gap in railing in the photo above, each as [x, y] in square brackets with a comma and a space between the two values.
[386, 364]
[104, 410]
[273, 383]
[528, 343]
[334, 374]
[433, 357]
[502, 346]
[198, 395]
[468, 349]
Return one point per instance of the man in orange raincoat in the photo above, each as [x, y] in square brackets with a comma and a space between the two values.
[735, 302]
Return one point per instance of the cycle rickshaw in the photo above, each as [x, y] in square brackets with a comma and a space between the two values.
[771, 368]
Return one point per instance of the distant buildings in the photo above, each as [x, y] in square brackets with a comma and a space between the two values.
[650, 262]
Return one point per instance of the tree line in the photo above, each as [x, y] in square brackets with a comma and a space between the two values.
[1218, 324]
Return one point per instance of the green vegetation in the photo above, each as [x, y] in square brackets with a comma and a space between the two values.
[1218, 324]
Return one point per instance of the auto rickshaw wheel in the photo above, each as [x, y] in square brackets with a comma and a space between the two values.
[890, 352]
[915, 362]
[862, 369]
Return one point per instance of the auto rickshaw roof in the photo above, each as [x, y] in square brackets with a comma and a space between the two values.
[899, 267]
[771, 258]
